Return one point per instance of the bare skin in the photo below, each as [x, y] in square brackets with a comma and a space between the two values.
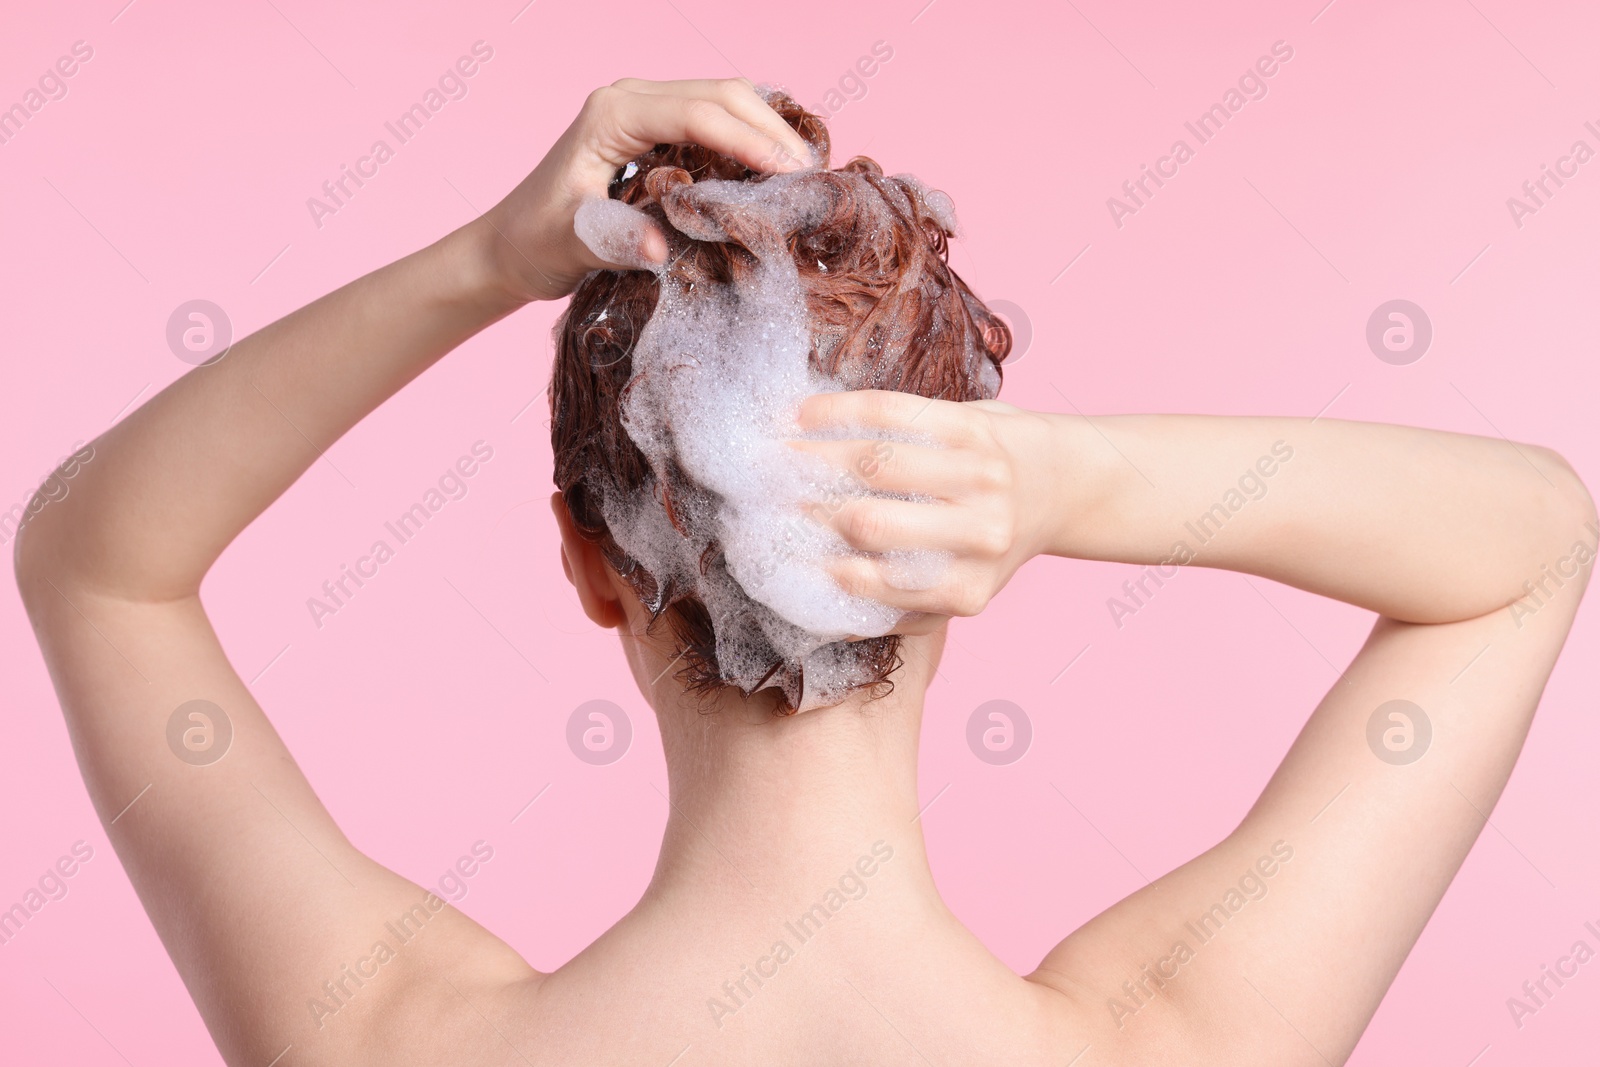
[1435, 532]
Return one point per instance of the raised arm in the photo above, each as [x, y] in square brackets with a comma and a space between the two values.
[1277, 945]
[177, 480]
[257, 896]
[1419, 525]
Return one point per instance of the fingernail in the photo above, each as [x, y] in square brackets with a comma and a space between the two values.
[787, 160]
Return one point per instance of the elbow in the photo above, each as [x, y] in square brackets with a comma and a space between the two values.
[1575, 502]
[39, 554]
[53, 532]
[1572, 523]
[30, 560]
[11, 528]
[26, 564]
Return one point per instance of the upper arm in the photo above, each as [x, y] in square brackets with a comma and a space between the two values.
[1343, 858]
[255, 892]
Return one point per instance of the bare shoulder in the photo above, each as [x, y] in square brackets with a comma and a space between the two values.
[285, 933]
[429, 986]
[1390, 782]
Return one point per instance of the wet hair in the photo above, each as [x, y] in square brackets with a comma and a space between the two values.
[885, 311]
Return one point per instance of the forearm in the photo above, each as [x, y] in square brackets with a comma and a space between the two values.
[177, 480]
[1420, 525]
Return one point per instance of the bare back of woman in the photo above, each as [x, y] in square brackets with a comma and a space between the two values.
[792, 918]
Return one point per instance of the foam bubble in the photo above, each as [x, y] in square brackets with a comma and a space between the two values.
[614, 231]
[719, 374]
[936, 202]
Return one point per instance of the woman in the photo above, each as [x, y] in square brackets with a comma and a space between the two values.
[792, 918]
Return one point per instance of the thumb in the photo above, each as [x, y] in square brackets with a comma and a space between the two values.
[619, 236]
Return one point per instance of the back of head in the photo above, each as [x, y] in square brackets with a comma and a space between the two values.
[862, 258]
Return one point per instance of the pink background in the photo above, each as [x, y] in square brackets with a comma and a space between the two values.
[1378, 166]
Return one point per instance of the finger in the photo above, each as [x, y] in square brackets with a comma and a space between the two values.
[619, 236]
[899, 467]
[643, 120]
[918, 623]
[738, 96]
[875, 524]
[911, 624]
[882, 409]
[954, 595]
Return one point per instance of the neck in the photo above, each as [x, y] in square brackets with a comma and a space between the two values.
[767, 808]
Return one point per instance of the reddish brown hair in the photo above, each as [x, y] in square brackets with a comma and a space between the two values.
[886, 312]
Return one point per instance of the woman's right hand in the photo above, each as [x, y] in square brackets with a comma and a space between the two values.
[533, 251]
[988, 479]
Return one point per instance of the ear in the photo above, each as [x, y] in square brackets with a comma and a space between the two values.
[587, 570]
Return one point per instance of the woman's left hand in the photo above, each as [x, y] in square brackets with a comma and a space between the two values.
[534, 252]
[986, 485]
